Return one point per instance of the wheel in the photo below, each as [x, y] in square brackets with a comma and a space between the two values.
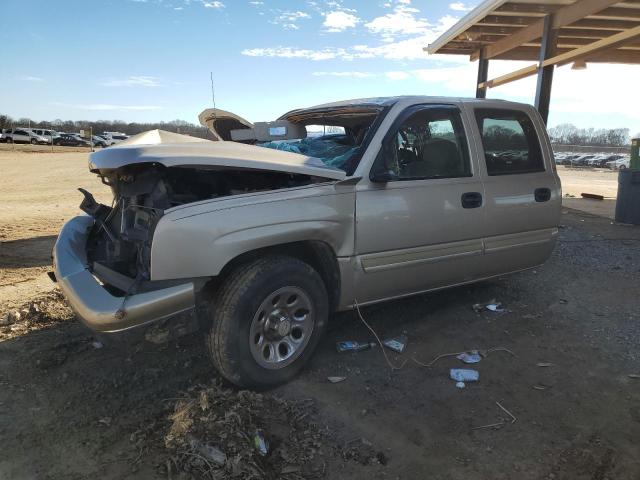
[622, 167]
[267, 319]
[34, 141]
[9, 140]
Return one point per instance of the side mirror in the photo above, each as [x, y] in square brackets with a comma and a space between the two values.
[381, 172]
[382, 176]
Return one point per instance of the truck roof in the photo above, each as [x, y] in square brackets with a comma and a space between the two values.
[390, 101]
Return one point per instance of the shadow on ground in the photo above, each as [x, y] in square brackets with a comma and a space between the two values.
[27, 252]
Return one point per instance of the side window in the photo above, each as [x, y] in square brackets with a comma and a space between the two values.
[430, 143]
[510, 142]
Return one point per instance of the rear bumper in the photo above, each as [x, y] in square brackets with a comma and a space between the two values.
[93, 304]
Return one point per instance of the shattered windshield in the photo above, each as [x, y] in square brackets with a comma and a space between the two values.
[336, 137]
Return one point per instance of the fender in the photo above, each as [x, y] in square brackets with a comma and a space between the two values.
[199, 241]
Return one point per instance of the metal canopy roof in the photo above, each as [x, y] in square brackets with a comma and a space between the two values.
[551, 32]
[512, 30]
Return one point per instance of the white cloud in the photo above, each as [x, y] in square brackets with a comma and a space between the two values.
[344, 74]
[133, 81]
[407, 49]
[178, 8]
[255, 2]
[30, 78]
[397, 75]
[460, 7]
[401, 21]
[339, 21]
[107, 107]
[216, 4]
[291, 52]
[288, 19]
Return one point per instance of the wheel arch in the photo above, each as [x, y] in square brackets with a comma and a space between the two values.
[318, 254]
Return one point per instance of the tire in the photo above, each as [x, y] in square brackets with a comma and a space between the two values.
[622, 167]
[33, 141]
[256, 340]
[9, 140]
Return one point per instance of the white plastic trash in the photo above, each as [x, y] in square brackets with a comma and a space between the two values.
[470, 357]
[464, 375]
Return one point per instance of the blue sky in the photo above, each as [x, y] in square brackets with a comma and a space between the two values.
[148, 60]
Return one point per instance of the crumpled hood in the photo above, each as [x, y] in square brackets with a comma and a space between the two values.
[214, 154]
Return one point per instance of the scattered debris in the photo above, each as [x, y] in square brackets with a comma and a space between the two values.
[336, 379]
[217, 432]
[483, 353]
[461, 384]
[513, 418]
[261, 444]
[634, 376]
[464, 375]
[351, 346]
[492, 305]
[97, 344]
[470, 357]
[361, 450]
[500, 423]
[544, 364]
[391, 365]
[106, 421]
[495, 307]
[396, 344]
[540, 386]
[209, 452]
[38, 313]
[593, 196]
[157, 335]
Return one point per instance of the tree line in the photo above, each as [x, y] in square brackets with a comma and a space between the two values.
[563, 134]
[130, 128]
[569, 134]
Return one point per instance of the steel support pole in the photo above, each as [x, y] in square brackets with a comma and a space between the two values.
[545, 74]
[483, 72]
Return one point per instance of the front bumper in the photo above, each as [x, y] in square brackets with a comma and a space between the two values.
[93, 304]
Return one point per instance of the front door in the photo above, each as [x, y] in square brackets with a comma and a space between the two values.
[420, 217]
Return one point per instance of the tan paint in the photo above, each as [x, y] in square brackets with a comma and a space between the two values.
[391, 239]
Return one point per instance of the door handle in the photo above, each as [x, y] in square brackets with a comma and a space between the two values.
[542, 194]
[471, 200]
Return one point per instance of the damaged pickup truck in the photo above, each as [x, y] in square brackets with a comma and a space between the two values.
[258, 237]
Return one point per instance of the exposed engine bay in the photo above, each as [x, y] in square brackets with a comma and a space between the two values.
[119, 245]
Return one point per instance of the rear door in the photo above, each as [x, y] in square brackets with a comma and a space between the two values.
[522, 189]
[420, 228]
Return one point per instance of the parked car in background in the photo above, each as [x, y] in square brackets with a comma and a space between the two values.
[25, 135]
[578, 161]
[99, 141]
[619, 164]
[602, 160]
[114, 137]
[257, 246]
[48, 134]
[70, 140]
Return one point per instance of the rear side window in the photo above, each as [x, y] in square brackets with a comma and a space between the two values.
[510, 142]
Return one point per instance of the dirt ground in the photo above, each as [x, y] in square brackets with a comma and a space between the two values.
[71, 408]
